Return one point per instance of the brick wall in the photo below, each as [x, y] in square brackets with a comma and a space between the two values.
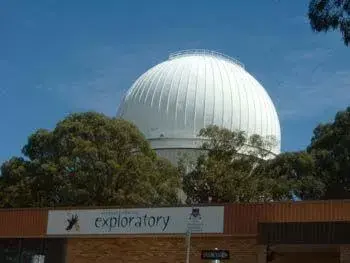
[16, 223]
[156, 249]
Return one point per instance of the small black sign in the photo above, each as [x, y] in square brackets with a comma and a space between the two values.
[215, 254]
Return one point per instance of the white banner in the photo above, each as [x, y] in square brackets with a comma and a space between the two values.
[136, 221]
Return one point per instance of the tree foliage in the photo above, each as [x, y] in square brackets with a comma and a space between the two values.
[293, 173]
[330, 146]
[223, 173]
[235, 168]
[88, 159]
[325, 15]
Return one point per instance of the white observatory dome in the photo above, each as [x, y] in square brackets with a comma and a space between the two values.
[172, 101]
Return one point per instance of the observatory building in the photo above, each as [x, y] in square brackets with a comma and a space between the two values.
[191, 90]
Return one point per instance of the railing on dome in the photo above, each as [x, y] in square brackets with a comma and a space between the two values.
[204, 52]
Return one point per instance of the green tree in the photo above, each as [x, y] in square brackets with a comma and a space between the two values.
[325, 15]
[223, 174]
[293, 173]
[330, 146]
[88, 159]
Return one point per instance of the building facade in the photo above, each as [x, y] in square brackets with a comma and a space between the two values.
[248, 233]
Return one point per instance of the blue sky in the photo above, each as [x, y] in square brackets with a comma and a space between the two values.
[58, 57]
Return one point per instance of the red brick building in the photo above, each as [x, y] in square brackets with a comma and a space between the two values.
[302, 231]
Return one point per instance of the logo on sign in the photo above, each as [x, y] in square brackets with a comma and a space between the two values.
[195, 214]
[72, 222]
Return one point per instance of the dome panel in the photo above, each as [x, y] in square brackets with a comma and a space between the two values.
[173, 100]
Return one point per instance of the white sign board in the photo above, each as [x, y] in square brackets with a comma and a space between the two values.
[136, 221]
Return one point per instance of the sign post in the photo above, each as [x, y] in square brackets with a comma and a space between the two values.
[188, 242]
[194, 225]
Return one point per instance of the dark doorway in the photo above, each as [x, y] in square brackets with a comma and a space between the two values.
[307, 257]
[22, 250]
[304, 233]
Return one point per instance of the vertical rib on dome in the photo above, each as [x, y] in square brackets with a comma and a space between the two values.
[172, 101]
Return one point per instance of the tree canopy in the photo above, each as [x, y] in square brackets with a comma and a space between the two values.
[293, 173]
[230, 171]
[321, 171]
[325, 15]
[330, 147]
[91, 159]
[88, 159]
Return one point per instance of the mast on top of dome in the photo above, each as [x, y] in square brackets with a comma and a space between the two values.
[187, 52]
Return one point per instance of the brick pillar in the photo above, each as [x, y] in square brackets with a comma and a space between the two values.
[261, 254]
[345, 254]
